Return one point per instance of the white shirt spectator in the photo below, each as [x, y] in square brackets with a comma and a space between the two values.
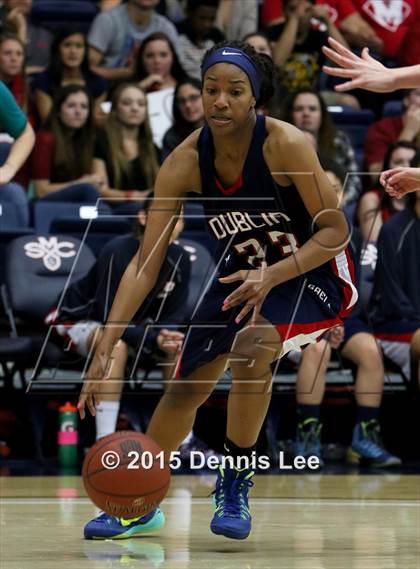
[114, 34]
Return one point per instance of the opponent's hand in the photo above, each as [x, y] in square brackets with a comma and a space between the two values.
[256, 285]
[98, 372]
[363, 72]
[398, 182]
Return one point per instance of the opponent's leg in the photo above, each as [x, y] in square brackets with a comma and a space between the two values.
[367, 445]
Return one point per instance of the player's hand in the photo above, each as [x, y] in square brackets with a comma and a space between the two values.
[398, 182]
[98, 372]
[170, 341]
[363, 72]
[256, 285]
[335, 336]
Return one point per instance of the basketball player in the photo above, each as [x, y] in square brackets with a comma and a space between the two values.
[365, 72]
[283, 276]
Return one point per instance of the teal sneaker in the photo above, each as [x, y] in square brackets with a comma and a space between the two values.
[109, 527]
[367, 447]
[232, 517]
[308, 439]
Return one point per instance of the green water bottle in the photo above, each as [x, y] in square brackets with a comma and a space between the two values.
[67, 435]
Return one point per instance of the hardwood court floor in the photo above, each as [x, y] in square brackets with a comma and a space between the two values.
[300, 522]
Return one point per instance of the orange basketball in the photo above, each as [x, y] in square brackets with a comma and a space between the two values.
[125, 474]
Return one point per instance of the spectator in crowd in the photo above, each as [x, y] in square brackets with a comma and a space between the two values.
[388, 130]
[87, 302]
[14, 122]
[395, 310]
[157, 66]
[237, 19]
[375, 206]
[63, 153]
[307, 110]
[69, 65]
[297, 45]
[387, 28]
[359, 348]
[125, 156]
[260, 42]
[188, 114]
[12, 69]
[15, 19]
[116, 33]
[197, 34]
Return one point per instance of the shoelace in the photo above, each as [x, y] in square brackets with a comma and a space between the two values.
[227, 499]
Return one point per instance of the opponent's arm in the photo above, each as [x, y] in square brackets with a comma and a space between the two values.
[368, 73]
[177, 176]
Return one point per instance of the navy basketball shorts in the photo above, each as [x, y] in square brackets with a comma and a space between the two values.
[354, 325]
[301, 310]
[395, 339]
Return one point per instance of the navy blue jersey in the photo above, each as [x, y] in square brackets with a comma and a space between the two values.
[257, 221]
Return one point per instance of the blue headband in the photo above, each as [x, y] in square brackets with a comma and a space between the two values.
[240, 59]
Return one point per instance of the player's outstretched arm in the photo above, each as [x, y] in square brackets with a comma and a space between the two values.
[365, 72]
[176, 177]
[400, 181]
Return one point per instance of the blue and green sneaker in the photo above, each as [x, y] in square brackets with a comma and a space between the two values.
[232, 517]
[367, 447]
[109, 527]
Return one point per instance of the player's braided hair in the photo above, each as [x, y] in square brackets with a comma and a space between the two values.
[262, 62]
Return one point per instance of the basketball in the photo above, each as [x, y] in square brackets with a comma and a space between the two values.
[125, 475]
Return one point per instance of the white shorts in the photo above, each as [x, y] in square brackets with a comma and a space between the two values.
[79, 335]
[399, 353]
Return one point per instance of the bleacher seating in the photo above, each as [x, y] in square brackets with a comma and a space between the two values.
[56, 14]
[355, 123]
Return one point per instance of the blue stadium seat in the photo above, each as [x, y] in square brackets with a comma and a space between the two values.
[202, 268]
[355, 123]
[77, 220]
[392, 108]
[9, 218]
[38, 267]
[59, 13]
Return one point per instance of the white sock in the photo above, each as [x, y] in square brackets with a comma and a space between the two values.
[188, 438]
[106, 418]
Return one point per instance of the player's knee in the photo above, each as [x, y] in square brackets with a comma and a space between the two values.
[183, 393]
[254, 345]
[370, 357]
[317, 353]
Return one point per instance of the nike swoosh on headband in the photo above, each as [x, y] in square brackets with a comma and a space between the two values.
[224, 52]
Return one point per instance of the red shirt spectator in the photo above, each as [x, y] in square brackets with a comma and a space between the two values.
[395, 22]
[384, 132]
